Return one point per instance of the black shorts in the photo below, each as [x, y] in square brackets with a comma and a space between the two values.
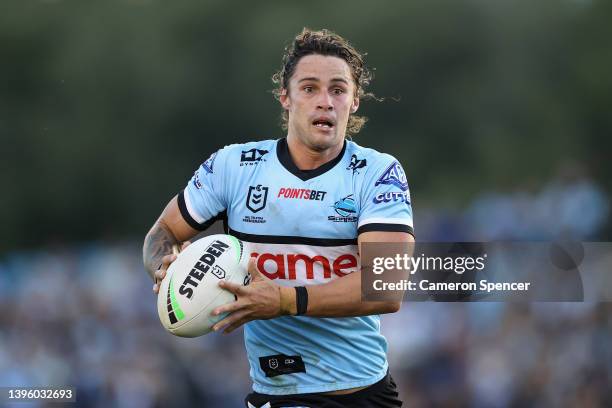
[382, 394]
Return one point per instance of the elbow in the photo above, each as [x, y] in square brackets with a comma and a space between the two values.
[391, 307]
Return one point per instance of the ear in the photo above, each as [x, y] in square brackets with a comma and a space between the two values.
[284, 99]
[355, 105]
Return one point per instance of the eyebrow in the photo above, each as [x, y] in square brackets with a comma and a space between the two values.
[317, 80]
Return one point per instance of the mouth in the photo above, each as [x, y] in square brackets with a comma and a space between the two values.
[323, 124]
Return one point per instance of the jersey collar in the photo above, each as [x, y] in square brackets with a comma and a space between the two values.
[282, 151]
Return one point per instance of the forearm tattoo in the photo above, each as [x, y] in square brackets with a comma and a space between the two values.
[158, 243]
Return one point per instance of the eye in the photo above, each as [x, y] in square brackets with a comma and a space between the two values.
[338, 91]
[308, 89]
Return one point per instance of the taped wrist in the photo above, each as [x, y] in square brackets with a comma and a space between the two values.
[301, 300]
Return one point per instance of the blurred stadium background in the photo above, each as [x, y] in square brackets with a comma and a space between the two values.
[499, 111]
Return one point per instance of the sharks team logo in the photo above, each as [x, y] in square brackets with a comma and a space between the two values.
[346, 208]
[257, 197]
[394, 174]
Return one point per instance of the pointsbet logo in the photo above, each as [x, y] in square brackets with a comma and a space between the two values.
[458, 264]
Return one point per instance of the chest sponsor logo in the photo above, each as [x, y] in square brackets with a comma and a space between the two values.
[256, 198]
[346, 210]
[392, 196]
[356, 164]
[301, 193]
[289, 266]
[252, 157]
[394, 174]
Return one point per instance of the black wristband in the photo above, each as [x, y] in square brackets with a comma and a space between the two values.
[301, 300]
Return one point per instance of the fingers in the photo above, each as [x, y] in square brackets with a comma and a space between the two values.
[185, 245]
[232, 287]
[232, 321]
[255, 274]
[228, 308]
[236, 325]
[160, 274]
[167, 260]
[252, 268]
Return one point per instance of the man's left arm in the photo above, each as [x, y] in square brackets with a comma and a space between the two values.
[264, 299]
[342, 297]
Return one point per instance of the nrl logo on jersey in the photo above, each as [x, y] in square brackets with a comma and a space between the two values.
[394, 175]
[357, 164]
[252, 157]
[256, 198]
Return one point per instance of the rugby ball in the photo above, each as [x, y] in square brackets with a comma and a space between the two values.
[190, 291]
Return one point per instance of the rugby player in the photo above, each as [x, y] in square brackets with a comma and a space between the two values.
[305, 203]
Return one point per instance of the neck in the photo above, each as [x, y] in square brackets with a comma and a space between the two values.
[308, 158]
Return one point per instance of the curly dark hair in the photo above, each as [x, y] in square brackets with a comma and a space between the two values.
[324, 42]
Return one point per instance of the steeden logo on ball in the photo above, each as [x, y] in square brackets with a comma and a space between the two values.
[190, 291]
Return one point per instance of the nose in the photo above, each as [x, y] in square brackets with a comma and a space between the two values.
[325, 102]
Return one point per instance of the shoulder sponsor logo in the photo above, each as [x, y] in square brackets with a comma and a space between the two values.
[289, 266]
[345, 208]
[208, 168]
[394, 174]
[256, 198]
[392, 196]
[209, 163]
[196, 179]
[356, 164]
[252, 157]
[301, 193]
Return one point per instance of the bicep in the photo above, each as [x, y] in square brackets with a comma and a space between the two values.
[392, 238]
[172, 220]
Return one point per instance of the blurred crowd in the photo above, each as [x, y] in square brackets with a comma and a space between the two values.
[570, 205]
[86, 317]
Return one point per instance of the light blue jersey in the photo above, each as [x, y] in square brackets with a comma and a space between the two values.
[302, 227]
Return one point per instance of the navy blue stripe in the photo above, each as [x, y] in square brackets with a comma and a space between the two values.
[189, 219]
[284, 157]
[386, 228]
[283, 239]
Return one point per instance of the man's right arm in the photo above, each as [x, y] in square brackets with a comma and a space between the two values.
[169, 229]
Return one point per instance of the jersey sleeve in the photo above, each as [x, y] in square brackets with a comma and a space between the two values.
[204, 199]
[385, 199]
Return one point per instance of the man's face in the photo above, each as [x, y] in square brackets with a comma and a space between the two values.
[320, 98]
